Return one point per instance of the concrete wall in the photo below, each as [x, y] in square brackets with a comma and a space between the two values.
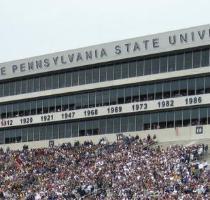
[181, 135]
[130, 48]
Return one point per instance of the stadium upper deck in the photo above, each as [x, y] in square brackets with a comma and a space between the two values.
[154, 82]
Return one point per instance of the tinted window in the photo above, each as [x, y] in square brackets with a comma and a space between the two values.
[68, 79]
[62, 80]
[124, 124]
[110, 125]
[155, 65]
[75, 77]
[205, 57]
[82, 77]
[196, 59]
[103, 74]
[110, 72]
[147, 67]
[171, 63]
[89, 76]
[140, 67]
[95, 75]
[163, 64]
[125, 70]
[188, 60]
[179, 61]
[117, 71]
[132, 69]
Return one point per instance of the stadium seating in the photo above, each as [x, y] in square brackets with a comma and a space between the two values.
[130, 168]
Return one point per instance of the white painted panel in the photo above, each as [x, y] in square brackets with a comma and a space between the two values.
[151, 44]
[108, 110]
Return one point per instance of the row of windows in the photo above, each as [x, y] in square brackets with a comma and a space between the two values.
[161, 64]
[193, 86]
[136, 122]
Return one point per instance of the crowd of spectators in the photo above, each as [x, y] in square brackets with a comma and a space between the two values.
[130, 168]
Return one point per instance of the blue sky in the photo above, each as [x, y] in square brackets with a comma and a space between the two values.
[30, 28]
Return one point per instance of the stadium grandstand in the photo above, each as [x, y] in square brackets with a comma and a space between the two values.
[91, 123]
[131, 168]
[157, 84]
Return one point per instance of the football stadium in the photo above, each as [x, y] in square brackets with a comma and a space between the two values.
[89, 123]
[157, 84]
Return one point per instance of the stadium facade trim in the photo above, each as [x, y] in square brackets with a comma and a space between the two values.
[152, 44]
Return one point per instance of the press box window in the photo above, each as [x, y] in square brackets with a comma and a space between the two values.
[205, 57]
[196, 59]
[163, 64]
[132, 69]
[140, 68]
[171, 63]
[155, 65]
[179, 61]
[188, 60]
[117, 71]
[147, 67]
